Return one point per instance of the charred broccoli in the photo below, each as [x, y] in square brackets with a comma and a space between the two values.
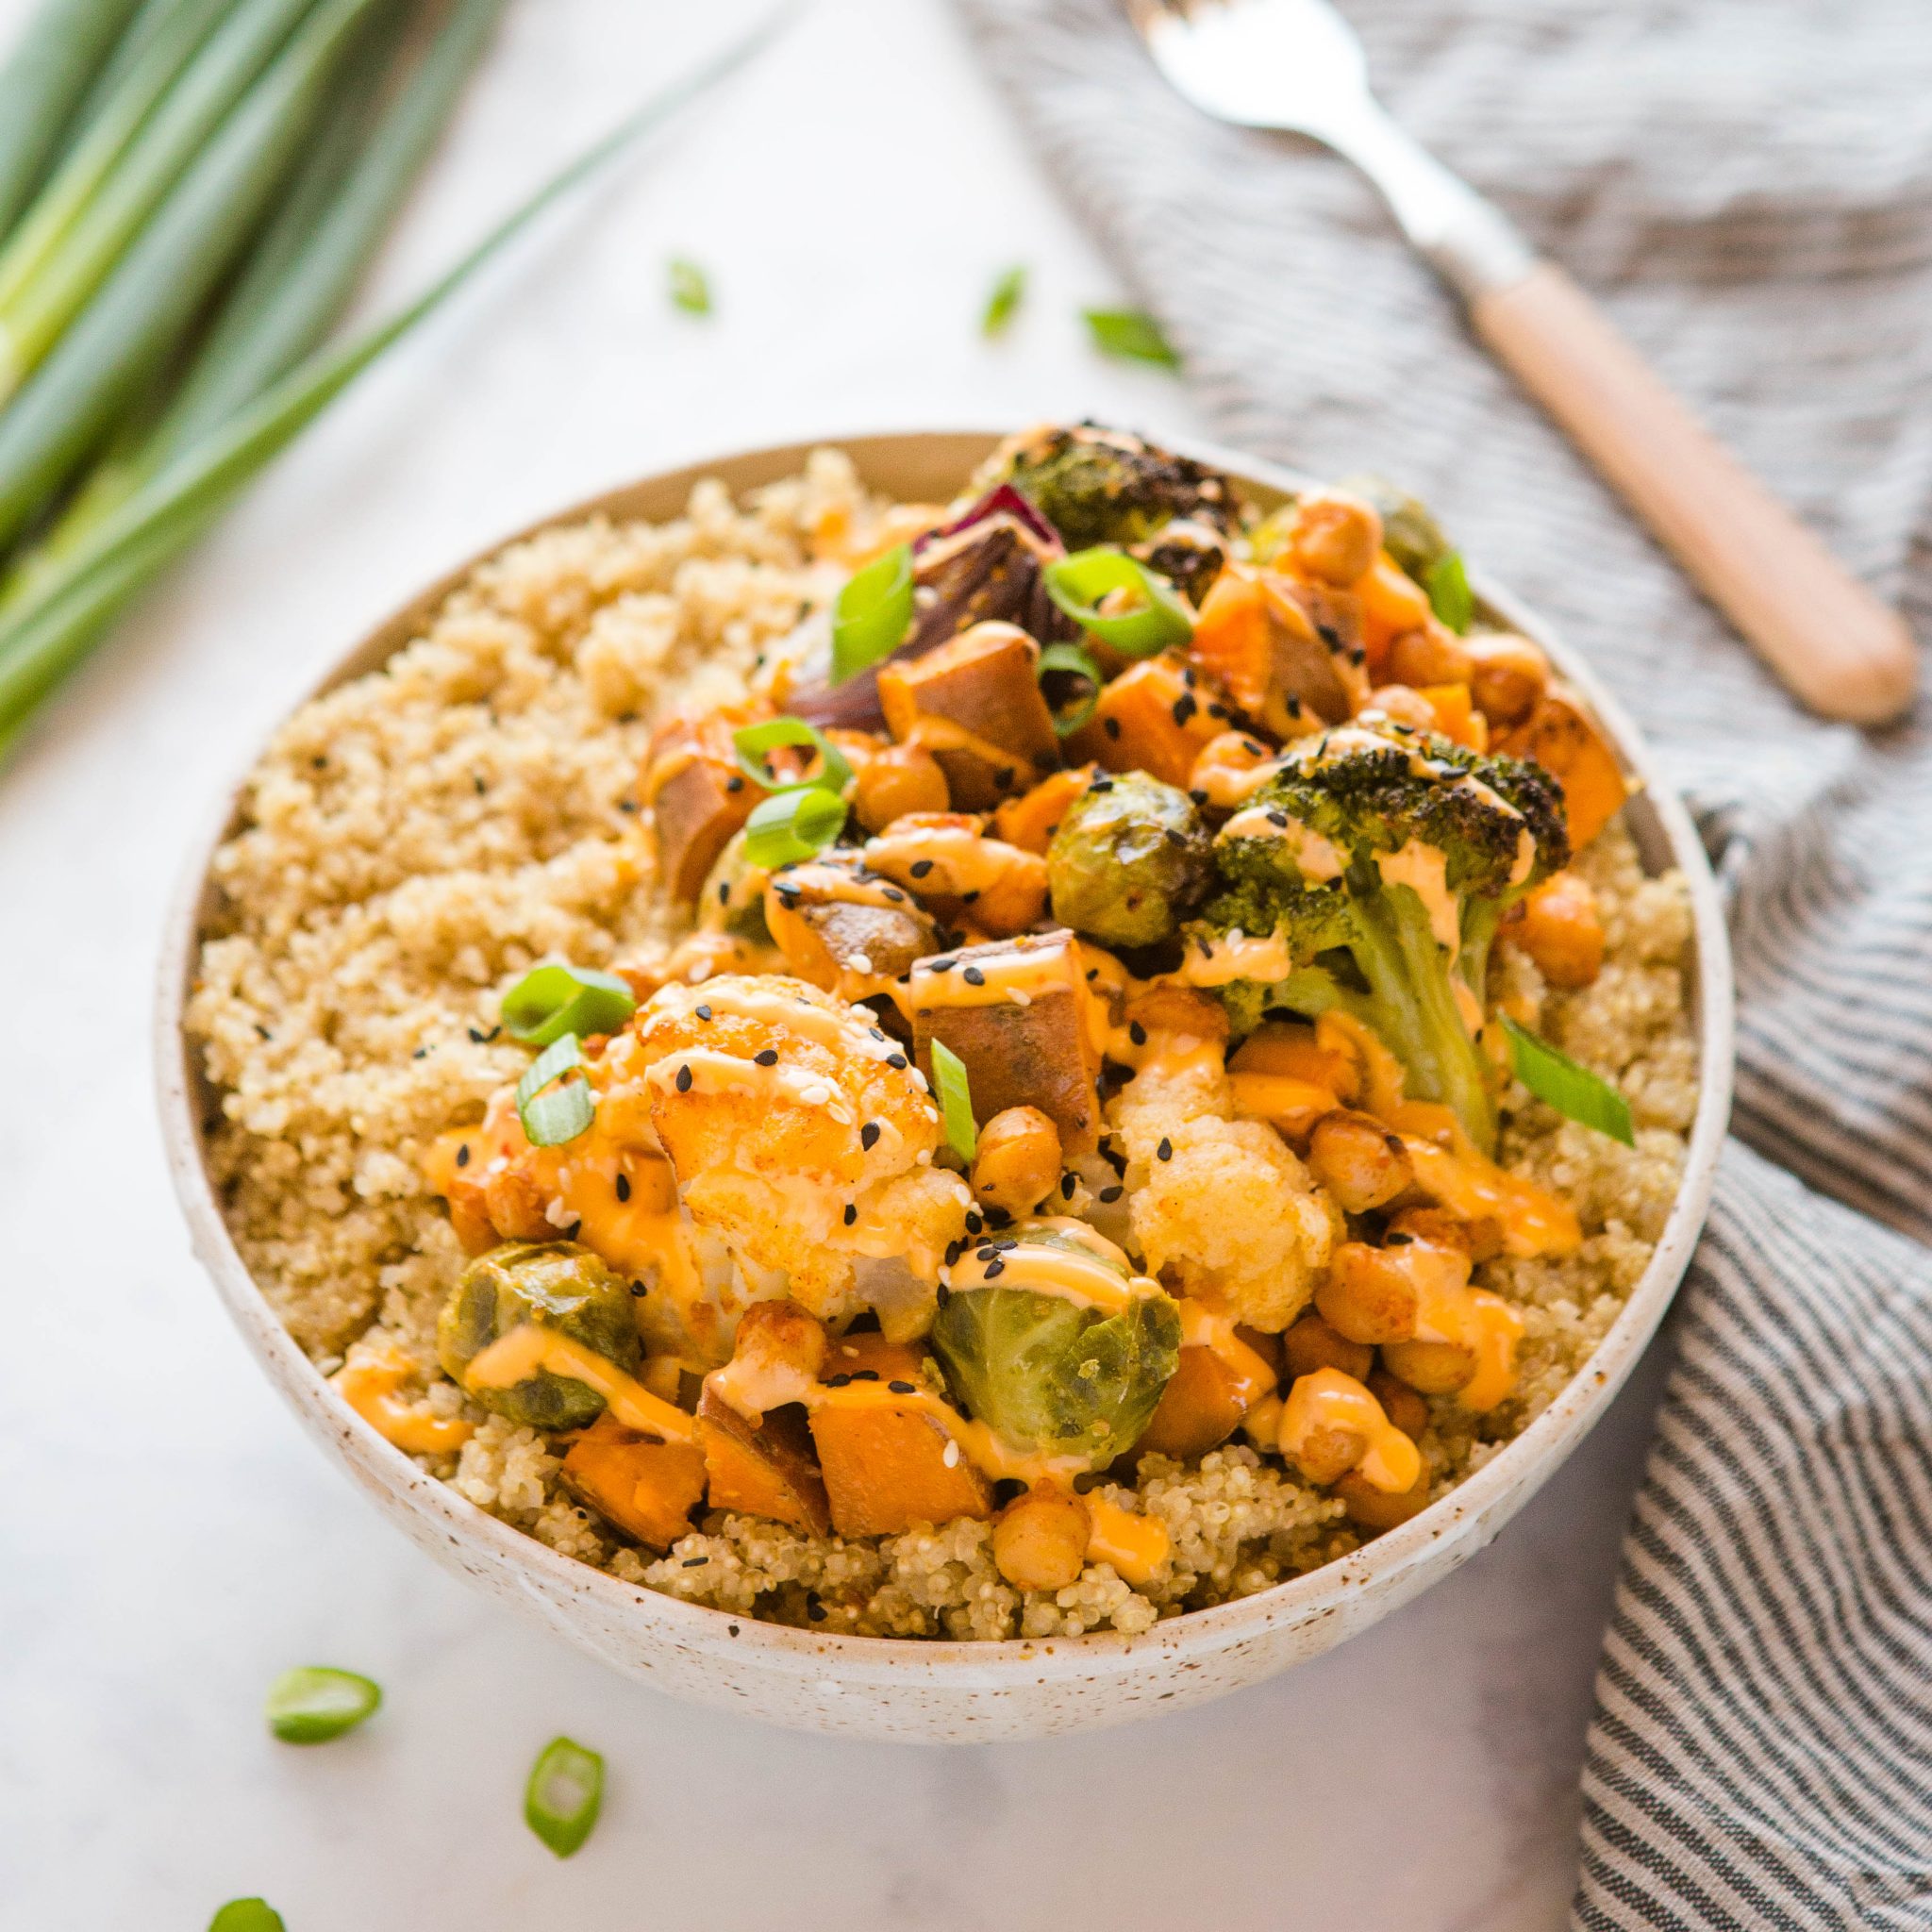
[1104, 486]
[1386, 860]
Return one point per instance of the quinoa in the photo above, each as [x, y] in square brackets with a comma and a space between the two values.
[415, 840]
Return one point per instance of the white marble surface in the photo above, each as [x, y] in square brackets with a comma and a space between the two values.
[170, 1541]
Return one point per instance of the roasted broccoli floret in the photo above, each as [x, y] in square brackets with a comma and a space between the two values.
[1386, 860]
[1104, 486]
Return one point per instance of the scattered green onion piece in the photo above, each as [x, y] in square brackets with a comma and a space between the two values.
[313, 1704]
[552, 1001]
[1575, 1091]
[564, 1795]
[247, 1915]
[1130, 334]
[873, 613]
[1004, 302]
[1073, 660]
[689, 290]
[552, 1115]
[833, 774]
[1450, 596]
[792, 826]
[1078, 583]
[955, 1100]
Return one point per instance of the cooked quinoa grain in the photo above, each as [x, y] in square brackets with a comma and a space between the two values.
[414, 841]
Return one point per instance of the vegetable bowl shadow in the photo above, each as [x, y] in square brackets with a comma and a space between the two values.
[924, 1691]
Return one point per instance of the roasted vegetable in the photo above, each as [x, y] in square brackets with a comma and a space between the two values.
[1383, 864]
[1104, 486]
[697, 796]
[645, 1488]
[555, 1285]
[1210, 1391]
[1189, 554]
[1131, 859]
[1288, 651]
[765, 1468]
[1410, 534]
[840, 931]
[1566, 742]
[1051, 1375]
[1155, 717]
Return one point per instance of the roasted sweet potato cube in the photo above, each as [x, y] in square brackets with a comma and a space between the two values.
[1153, 716]
[1204, 1402]
[975, 704]
[1288, 651]
[1030, 821]
[763, 1469]
[644, 1488]
[869, 1354]
[1031, 1052]
[885, 1462]
[698, 795]
[1565, 739]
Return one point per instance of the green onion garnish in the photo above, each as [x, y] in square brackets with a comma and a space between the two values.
[564, 1795]
[313, 1704]
[1071, 661]
[834, 769]
[1450, 596]
[790, 825]
[1156, 619]
[552, 1115]
[1575, 1091]
[955, 1100]
[873, 613]
[1131, 335]
[551, 1001]
[247, 1915]
[689, 290]
[1003, 303]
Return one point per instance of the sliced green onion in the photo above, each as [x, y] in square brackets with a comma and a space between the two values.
[313, 1704]
[690, 289]
[873, 613]
[247, 1915]
[564, 1795]
[1130, 334]
[1450, 596]
[834, 768]
[1575, 1091]
[1004, 302]
[793, 824]
[551, 1001]
[955, 1100]
[1158, 618]
[552, 1115]
[1072, 661]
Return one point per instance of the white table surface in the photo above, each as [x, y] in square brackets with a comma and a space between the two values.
[170, 1540]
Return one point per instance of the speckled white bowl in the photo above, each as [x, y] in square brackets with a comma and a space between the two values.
[950, 1693]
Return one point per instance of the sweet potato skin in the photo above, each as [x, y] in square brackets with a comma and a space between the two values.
[975, 704]
[765, 1470]
[643, 1487]
[885, 1467]
[1201, 1407]
[1562, 737]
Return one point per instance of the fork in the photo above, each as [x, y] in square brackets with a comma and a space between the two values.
[1296, 66]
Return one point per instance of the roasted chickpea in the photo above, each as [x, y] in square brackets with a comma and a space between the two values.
[1508, 675]
[1401, 703]
[1039, 1539]
[1400, 1402]
[1378, 1509]
[896, 780]
[1358, 1160]
[778, 1354]
[1019, 1161]
[1326, 1454]
[1430, 1367]
[1560, 927]
[1311, 1343]
[1480, 1239]
[1374, 1294]
[1433, 654]
[1335, 537]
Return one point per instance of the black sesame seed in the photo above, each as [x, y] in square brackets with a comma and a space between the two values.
[768, 1056]
[921, 867]
[480, 786]
[988, 1253]
[944, 965]
[1183, 708]
[869, 1135]
[624, 1187]
[1112, 1195]
[1068, 1182]
[865, 1374]
[951, 1253]
[894, 894]
[724, 892]
[851, 1212]
[684, 1079]
[837, 1381]
[638, 1288]
[1112, 727]
[1165, 1151]
[1254, 750]
[695, 1562]
[264, 1030]
[1137, 1033]
[626, 804]
[995, 1267]
[734, 783]
[1278, 820]
[876, 1032]
[422, 1053]
[463, 1155]
[816, 1611]
[902, 1388]
[1199, 797]
[1101, 785]
[703, 1012]
[967, 898]
[1396, 1239]
[973, 976]
[974, 1224]
[897, 1061]
[576, 1229]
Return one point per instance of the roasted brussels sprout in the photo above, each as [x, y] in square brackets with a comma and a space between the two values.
[1130, 861]
[1410, 534]
[557, 1285]
[1053, 1375]
[732, 898]
[1104, 486]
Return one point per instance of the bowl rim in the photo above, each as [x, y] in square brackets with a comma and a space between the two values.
[1385, 1561]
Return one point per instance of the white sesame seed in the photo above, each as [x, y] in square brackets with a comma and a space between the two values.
[860, 962]
[950, 1457]
[816, 1094]
[1018, 997]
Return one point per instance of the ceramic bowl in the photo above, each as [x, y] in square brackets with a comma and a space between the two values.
[939, 1692]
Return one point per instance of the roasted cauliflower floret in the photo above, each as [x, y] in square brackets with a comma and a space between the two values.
[797, 1129]
[1221, 1208]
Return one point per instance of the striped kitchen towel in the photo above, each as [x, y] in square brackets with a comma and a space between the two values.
[1751, 189]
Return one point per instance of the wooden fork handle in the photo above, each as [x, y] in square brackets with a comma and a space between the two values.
[1841, 649]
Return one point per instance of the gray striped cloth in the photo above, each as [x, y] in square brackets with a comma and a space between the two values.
[1749, 184]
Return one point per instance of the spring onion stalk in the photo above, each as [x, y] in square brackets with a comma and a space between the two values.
[1575, 1091]
[247, 1915]
[45, 81]
[104, 138]
[211, 89]
[551, 1001]
[126, 332]
[299, 276]
[955, 1090]
[834, 771]
[1147, 615]
[871, 613]
[792, 825]
[42, 641]
[564, 1795]
[1071, 661]
[315, 1703]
